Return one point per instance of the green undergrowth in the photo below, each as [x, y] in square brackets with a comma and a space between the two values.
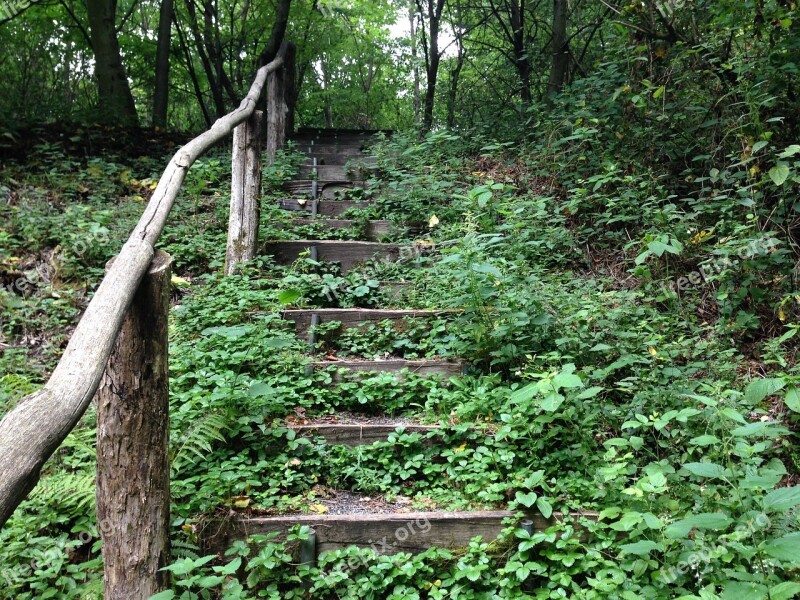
[592, 388]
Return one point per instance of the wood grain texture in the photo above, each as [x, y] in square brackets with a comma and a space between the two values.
[38, 424]
[325, 208]
[412, 532]
[347, 254]
[353, 317]
[245, 193]
[358, 435]
[133, 496]
[440, 368]
[327, 190]
[335, 158]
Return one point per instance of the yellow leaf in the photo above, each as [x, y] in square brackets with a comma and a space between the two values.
[180, 281]
[781, 313]
[241, 501]
[652, 351]
[320, 509]
[461, 448]
[755, 170]
[433, 221]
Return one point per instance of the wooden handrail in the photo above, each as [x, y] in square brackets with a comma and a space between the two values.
[36, 427]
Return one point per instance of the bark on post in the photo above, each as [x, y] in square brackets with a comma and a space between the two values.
[132, 445]
[245, 193]
[276, 110]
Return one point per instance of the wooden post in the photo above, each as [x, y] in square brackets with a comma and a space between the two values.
[276, 109]
[133, 498]
[245, 193]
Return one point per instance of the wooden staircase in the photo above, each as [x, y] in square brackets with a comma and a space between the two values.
[315, 196]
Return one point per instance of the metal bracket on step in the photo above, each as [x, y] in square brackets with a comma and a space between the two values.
[312, 331]
[314, 208]
[314, 189]
[314, 253]
[308, 554]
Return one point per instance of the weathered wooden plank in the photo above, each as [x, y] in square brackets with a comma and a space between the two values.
[439, 368]
[374, 230]
[325, 208]
[349, 150]
[346, 253]
[331, 172]
[352, 317]
[391, 533]
[359, 434]
[325, 189]
[336, 158]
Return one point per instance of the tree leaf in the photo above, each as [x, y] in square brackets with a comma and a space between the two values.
[792, 399]
[289, 296]
[544, 507]
[642, 548]
[681, 529]
[527, 500]
[761, 388]
[779, 174]
[782, 499]
[786, 548]
[705, 469]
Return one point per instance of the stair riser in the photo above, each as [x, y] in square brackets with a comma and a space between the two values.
[374, 229]
[327, 190]
[347, 254]
[389, 533]
[359, 435]
[330, 208]
[431, 368]
[334, 158]
[333, 172]
[351, 318]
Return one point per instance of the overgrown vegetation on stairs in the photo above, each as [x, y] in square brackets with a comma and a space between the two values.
[587, 392]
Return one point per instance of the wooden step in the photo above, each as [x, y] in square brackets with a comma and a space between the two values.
[358, 434]
[325, 208]
[349, 150]
[373, 231]
[425, 368]
[390, 533]
[325, 189]
[304, 133]
[352, 317]
[323, 172]
[346, 253]
[337, 158]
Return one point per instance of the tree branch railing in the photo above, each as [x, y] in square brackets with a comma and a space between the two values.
[32, 431]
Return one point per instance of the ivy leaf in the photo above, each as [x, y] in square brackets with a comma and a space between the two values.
[527, 500]
[779, 174]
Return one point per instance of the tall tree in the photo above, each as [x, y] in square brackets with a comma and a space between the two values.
[161, 92]
[560, 45]
[430, 11]
[115, 97]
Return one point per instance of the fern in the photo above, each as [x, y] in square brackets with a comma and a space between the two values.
[67, 490]
[196, 441]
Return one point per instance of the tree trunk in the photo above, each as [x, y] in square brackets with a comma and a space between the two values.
[522, 61]
[116, 100]
[245, 193]
[276, 112]
[133, 445]
[412, 23]
[558, 72]
[161, 94]
[455, 75]
[434, 10]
